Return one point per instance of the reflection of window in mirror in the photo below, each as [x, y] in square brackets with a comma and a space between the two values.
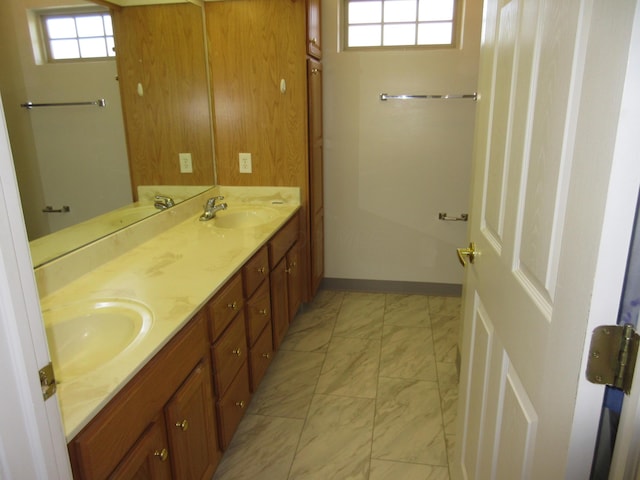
[74, 35]
[400, 23]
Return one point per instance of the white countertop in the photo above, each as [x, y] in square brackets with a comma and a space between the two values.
[174, 274]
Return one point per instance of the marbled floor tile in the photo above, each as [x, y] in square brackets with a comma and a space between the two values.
[446, 331]
[407, 353]
[310, 331]
[350, 368]
[407, 310]
[336, 439]
[360, 315]
[447, 373]
[287, 388]
[445, 305]
[449, 405]
[269, 443]
[387, 470]
[408, 423]
[328, 301]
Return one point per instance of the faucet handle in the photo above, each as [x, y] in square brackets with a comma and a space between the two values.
[212, 201]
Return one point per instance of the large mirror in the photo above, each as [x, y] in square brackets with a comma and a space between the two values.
[87, 170]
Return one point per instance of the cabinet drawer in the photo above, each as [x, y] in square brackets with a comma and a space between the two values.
[101, 445]
[258, 313]
[282, 241]
[229, 353]
[260, 357]
[255, 271]
[225, 305]
[232, 406]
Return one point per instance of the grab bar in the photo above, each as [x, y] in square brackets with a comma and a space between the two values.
[101, 102]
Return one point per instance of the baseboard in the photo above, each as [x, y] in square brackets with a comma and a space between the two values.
[391, 286]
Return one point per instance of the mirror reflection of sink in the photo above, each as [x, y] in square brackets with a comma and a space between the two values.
[244, 217]
[86, 335]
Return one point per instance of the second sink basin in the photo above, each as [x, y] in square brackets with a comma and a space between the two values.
[86, 335]
[244, 217]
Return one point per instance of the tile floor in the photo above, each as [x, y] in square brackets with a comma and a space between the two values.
[364, 386]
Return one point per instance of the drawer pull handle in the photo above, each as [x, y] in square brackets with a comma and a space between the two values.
[266, 355]
[263, 312]
[184, 424]
[163, 454]
[287, 270]
[240, 404]
[262, 270]
[237, 351]
[233, 306]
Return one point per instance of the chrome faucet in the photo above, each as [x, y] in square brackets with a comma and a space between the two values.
[210, 209]
[162, 202]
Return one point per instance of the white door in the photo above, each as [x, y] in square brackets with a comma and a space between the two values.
[551, 217]
[32, 442]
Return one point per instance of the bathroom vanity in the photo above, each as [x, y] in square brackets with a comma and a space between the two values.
[221, 296]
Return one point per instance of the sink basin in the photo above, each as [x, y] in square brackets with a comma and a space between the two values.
[84, 336]
[244, 217]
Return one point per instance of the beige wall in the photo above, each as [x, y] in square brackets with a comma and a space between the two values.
[390, 167]
[72, 156]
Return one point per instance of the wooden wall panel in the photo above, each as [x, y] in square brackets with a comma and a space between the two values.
[253, 45]
[162, 47]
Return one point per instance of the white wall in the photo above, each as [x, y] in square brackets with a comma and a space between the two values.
[390, 167]
[72, 156]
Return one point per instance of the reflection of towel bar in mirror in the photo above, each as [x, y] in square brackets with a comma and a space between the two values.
[386, 96]
[50, 209]
[462, 218]
[101, 102]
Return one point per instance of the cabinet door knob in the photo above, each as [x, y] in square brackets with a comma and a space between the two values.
[314, 41]
[237, 351]
[262, 270]
[263, 312]
[162, 454]
[240, 404]
[266, 355]
[233, 306]
[287, 270]
[184, 424]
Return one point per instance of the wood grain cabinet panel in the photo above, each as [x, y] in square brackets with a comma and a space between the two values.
[258, 312]
[190, 422]
[255, 271]
[149, 458]
[229, 352]
[282, 241]
[314, 43]
[232, 406]
[260, 357]
[225, 306]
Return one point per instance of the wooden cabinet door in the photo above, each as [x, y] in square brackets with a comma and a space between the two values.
[316, 181]
[295, 281]
[149, 457]
[314, 46]
[191, 427]
[279, 302]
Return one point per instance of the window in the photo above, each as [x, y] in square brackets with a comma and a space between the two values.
[76, 36]
[395, 23]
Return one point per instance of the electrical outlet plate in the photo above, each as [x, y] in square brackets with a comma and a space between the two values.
[245, 162]
[185, 163]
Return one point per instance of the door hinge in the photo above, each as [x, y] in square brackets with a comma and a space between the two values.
[612, 356]
[47, 381]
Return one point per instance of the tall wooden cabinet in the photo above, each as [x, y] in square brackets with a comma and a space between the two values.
[267, 102]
